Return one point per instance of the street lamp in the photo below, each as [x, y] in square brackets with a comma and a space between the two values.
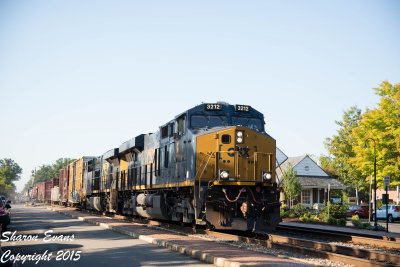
[375, 220]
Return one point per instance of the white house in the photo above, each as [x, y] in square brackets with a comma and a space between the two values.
[313, 179]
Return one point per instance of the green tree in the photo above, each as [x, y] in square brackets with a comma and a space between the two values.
[292, 185]
[10, 172]
[46, 172]
[383, 125]
[341, 147]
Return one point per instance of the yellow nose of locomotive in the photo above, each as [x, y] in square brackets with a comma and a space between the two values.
[235, 155]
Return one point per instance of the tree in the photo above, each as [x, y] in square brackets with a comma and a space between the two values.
[352, 163]
[10, 172]
[341, 147]
[383, 125]
[293, 187]
[46, 172]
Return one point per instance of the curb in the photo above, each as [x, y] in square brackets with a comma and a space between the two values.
[196, 254]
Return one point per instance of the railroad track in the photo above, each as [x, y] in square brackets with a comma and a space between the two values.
[325, 250]
[360, 239]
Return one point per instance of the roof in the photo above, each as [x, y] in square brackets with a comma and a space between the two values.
[291, 160]
[280, 157]
[320, 182]
[307, 180]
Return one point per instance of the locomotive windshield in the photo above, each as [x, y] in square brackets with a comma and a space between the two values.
[201, 121]
[252, 123]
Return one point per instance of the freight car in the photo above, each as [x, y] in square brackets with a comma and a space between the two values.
[213, 164]
[47, 191]
[63, 185]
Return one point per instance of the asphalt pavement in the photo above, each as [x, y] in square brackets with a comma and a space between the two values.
[40, 232]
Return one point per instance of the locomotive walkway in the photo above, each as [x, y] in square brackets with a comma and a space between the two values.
[204, 250]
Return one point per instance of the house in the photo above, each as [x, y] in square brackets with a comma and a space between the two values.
[314, 181]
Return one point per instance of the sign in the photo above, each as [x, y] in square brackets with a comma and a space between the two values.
[213, 106]
[242, 108]
[385, 198]
[386, 181]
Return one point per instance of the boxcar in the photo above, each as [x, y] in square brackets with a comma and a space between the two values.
[40, 192]
[47, 191]
[75, 184]
[63, 184]
[55, 195]
[54, 182]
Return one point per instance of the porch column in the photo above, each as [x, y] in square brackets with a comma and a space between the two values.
[318, 195]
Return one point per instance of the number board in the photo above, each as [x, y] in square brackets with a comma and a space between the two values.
[242, 108]
[213, 106]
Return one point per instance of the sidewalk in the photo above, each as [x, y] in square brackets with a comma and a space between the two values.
[345, 229]
[204, 250]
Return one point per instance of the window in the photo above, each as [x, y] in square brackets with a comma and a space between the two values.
[306, 168]
[226, 139]
[164, 132]
[252, 123]
[181, 125]
[166, 159]
[200, 121]
[306, 197]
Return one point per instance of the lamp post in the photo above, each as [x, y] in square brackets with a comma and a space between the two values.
[375, 220]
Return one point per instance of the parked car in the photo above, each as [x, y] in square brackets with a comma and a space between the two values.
[360, 210]
[4, 217]
[393, 212]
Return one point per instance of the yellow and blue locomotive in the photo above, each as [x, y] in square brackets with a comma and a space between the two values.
[212, 165]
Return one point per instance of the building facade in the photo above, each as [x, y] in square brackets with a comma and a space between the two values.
[315, 182]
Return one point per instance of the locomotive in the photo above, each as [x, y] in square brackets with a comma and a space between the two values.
[212, 165]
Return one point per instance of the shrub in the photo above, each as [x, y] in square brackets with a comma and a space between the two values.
[284, 213]
[331, 221]
[341, 221]
[308, 217]
[298, 209]
[355, 220]
[380, 227]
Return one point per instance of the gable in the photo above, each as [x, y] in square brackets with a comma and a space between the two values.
[280, 157]
[307, 167]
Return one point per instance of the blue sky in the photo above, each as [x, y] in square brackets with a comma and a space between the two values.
[80, 77]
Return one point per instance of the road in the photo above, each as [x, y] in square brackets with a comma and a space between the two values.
[98, 246]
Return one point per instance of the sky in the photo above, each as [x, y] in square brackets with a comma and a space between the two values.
[81, 77]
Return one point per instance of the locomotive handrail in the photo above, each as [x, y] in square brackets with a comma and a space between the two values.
[209, 157]
[256, 162]
[236, 163]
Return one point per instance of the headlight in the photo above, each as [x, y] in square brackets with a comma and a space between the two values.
[239, 137]
[223, 174]
[267, 176]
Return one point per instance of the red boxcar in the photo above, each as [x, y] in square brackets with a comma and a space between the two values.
[40, 191]
[54, 182]
[63, 183]
[47, 191]
[34, 192]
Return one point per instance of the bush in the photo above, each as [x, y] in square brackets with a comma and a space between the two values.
[355, 220]
[336, 211]
[331, 221]
[380, 227]
[308, 217]
[341, 221]
[298, 210]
